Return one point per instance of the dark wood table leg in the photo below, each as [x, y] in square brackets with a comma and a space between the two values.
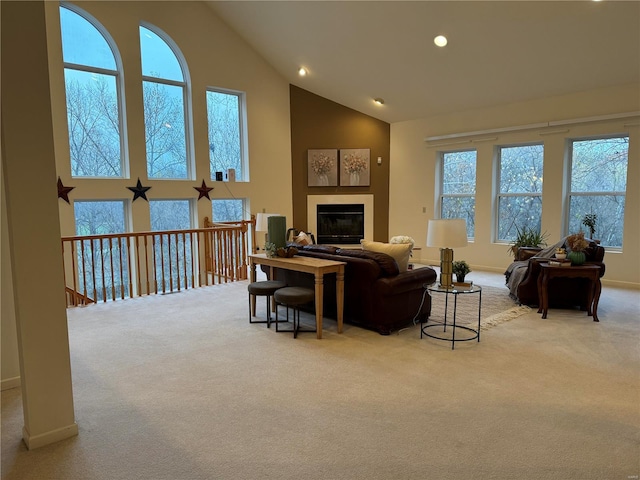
[596, 298]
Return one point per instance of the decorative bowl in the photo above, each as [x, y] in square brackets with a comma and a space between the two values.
[561, 256]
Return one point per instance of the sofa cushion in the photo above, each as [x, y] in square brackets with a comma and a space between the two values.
[388, 265]
[399, 251]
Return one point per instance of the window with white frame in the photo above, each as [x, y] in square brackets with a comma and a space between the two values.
[101, 217]
[172, 252]
[92, 76]
[170, 214]
[458, 187]
[519, 202]
[598, 186]
[227, 209]
[226, 131]
[166, 116]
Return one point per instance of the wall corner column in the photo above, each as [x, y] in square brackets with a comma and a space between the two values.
[29, 170]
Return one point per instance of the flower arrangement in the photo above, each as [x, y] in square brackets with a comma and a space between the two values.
[321, 164]
[270, 249]
[576, 242]
[354, 163]
[403, 239]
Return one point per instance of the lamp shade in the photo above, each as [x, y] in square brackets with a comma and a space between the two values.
[447, 233]
[262, 222]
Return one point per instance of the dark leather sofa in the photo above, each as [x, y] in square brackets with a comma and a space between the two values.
[522, 277]
[376, 295]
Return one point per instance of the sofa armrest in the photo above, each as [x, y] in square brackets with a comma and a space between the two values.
[406, 281]
[525, 253]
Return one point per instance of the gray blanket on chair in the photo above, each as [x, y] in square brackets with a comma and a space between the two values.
[517, 270]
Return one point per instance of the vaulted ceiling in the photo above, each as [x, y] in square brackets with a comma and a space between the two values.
[498, 52]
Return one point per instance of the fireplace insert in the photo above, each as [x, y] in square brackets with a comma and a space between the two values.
[341, 224]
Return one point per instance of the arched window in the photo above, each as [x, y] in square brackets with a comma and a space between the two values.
[166, 117]
[92, 75]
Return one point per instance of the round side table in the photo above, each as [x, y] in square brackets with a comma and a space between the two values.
[427, 327]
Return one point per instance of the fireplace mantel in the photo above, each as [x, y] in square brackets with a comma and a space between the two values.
[314, 200]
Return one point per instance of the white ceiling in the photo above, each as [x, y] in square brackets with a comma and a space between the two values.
[499, 52]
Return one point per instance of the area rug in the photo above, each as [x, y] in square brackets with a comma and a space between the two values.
[497, 307]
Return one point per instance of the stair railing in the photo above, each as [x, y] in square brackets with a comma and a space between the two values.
[100, 268]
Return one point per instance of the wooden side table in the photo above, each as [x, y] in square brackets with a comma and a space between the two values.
[591, 272]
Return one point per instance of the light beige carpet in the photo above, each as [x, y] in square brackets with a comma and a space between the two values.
[183, 387]
[496, 307]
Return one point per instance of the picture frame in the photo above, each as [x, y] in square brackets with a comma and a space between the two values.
[322, 167]
[355, 167]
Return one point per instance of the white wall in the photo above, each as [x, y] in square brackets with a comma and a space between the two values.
[9, 362]
[413, 177]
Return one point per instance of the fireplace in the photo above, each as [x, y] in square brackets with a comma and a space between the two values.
[340, 223]
[315, 201]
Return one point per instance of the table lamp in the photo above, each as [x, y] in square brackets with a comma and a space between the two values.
[262, 224]
[447, 234]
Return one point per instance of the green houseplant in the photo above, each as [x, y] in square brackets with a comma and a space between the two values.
[527, 237]
[589, 221]
[460, 268]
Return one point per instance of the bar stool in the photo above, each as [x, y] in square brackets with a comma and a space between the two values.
[264, 288]
[293, 297]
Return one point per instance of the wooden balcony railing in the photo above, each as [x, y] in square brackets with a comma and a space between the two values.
[99, 268]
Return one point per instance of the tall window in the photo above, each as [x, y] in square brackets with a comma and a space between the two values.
[172, 253]
[458, 188]
[92, 83]
[224, 112]
[165, 114]
[227, 210]
[170, 214]
[102, 218]
[520, 194]
[598, 185]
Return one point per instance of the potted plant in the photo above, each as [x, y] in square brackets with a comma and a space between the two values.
[460, 268]
[589, 221]
[577, 244]
[527, 237]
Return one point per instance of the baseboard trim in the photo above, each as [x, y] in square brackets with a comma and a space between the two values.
[620, 284]
[9, 383]
[37, 441]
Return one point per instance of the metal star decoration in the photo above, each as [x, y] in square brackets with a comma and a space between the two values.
[204, 190]
[63, 192]
[139, 191]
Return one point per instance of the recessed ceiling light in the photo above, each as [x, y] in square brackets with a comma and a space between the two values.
[440, 40]
[302, 71]
[378, 101]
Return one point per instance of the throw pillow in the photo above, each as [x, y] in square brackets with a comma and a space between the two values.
[302, 239]
[400, 251]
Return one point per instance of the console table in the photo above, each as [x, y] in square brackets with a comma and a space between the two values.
[316, 266]
[455, 291]
[590, 272]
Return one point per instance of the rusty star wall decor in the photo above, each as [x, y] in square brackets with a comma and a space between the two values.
[139, 191]
[204, 190]
[63, 192]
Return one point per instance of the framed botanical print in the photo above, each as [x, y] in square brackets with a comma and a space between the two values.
[355, 168]
[322, 168]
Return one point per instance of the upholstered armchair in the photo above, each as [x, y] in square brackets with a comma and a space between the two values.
[522, 277]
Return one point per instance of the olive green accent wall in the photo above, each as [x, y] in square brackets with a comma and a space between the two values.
[320, 123]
